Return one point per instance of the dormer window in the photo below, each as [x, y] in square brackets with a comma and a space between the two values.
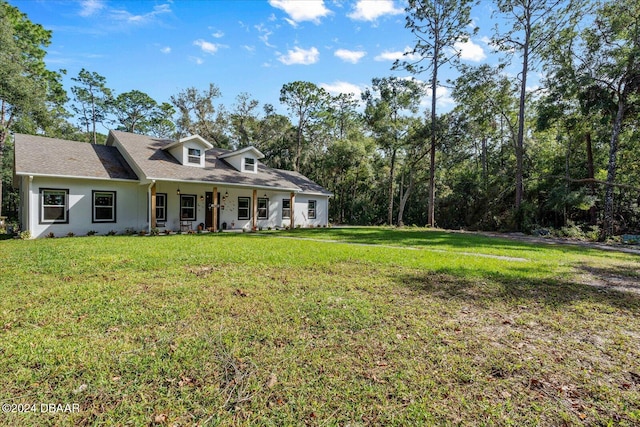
[194, 156]
[249, 164]
[189, 151]
[243, 160]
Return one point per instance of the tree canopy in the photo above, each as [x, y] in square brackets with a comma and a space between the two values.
[563, 161]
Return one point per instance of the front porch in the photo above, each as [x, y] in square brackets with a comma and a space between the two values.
[190, 206]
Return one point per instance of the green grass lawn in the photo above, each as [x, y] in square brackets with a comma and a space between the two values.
[405, 327]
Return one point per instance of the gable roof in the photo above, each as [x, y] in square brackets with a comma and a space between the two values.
[241, 151]
[149, 157]
[42, 156]
[134, 157]
[197, 138]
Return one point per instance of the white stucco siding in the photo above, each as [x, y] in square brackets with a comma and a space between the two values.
[302, 210]
[130, 206]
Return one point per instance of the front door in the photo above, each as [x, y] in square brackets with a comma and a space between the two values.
[208, 220]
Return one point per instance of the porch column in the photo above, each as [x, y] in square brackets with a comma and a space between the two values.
[215, 209]
[153, 206]
[254, 218]
[292, 205]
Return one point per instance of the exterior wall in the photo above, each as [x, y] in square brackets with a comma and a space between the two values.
[131, 206]
[23, 207]
[301, 210]
[229, 207]
[173, 202]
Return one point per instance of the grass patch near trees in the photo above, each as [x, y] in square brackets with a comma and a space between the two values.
[402, 327]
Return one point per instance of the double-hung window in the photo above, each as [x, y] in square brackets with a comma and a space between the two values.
[263, 208]
[194, 156]
[249, 164]
[161, 207]
[54, 206]
[188, 207]
[104, 206]
[286, 208]
[311, 209]
[244, 207]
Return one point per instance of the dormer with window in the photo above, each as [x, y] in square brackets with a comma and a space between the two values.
[244, 160]
[189, 151]
[249, 164]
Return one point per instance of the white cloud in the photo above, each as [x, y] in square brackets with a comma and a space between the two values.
[90, 7]
[486, 40]
[218, 34]
[394, 55]
[300, 56]
[302, 10]
[166, 50]
[126, 16]
[469, 51]
[338, 87]
[265, 33]
[443, 98]
[370, 10]
[206, 46]
[196, 60]
[353, 56]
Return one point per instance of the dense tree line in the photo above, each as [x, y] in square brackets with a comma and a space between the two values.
[505, 158]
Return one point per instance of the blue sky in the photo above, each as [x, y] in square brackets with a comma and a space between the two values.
[161, 47]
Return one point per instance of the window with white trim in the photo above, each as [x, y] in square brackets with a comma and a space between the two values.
[263, 208]
[194, 156]
[161, 206]
[286, 208]
[104, 206]
[311, 209]
[244, 207]
[188, 207]
[54, 206]
[249, 164]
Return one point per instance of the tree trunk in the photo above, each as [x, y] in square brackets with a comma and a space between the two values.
[521, 117]
[567, 185]
[431, 217]
[391, 179]
[296, 163]
[93, 117]
[5, 124]
[611, 172]
[403, 201]
[485, 171]
[593, 213]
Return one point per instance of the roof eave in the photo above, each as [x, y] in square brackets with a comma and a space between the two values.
[257, 152]
[96, 178]
[226, 184]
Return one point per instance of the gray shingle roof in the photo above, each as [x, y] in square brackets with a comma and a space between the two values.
[158, 164]
[37, 155]
[304, 183]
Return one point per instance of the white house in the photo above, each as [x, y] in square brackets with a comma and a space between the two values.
[140, 182]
